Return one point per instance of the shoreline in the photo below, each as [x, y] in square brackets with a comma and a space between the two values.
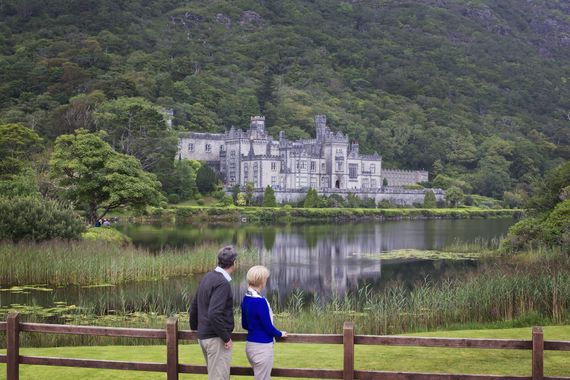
[233, 214]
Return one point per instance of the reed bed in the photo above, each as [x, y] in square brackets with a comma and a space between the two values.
[95, 262]
[503, 291]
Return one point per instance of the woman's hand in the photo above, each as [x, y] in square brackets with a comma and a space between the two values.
[284, 334]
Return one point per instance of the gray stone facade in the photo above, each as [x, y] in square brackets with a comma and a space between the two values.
[327, 163]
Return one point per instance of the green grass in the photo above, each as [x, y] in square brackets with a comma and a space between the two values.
[378, 358]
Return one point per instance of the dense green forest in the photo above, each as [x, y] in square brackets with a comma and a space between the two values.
[475, 91]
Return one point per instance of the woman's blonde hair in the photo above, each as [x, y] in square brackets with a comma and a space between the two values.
[257, 275]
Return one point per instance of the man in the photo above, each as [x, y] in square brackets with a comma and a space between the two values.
[212, 314]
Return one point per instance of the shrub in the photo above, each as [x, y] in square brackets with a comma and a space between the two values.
[269, 197]
[200, 202]
[38, 220]
[173, 198]
[429, 199]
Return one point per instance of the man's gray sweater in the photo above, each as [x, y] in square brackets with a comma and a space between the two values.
[212, 309]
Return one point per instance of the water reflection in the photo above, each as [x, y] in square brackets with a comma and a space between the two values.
[323, 259]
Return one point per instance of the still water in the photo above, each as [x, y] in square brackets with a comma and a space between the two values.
[323, 259]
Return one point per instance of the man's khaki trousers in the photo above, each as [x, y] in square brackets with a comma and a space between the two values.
[218, 358]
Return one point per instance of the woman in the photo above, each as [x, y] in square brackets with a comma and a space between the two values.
[257, 319]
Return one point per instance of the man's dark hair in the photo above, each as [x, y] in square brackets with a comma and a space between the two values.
[227, 256]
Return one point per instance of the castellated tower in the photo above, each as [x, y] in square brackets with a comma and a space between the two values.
[257, 123]
[320, 126]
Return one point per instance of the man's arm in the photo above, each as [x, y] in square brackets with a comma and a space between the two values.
[216, 310]
[194, 313]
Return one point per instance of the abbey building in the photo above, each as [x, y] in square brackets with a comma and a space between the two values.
[329, 162]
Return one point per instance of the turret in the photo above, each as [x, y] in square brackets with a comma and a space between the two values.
[320, 126]
[257, 123]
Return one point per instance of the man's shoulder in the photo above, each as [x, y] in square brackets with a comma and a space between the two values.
[214, 278]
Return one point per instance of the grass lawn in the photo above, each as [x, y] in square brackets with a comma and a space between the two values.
[407, 359]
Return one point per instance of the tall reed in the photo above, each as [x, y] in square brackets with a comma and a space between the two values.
[94, 262]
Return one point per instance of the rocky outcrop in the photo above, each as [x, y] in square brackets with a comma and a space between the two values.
[223, 19]
[250, 20]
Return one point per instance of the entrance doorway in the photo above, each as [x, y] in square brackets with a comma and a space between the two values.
[337, 184]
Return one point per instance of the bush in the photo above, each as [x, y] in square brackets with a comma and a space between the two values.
[173, 198]
[38, 220]
[200, 202]
[429, 199]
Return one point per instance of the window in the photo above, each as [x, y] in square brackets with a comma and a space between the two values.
[246, 171]
[372, 168]
[339, 166]
[273, 166]
[373, 183]
[365, 183]
[232, 154]
[273, 181]
[353, 171]
[323, 167]
[324, 182]
[208, 148]
[313, 165]
[303, 164]
[190, 147]
[339, 151]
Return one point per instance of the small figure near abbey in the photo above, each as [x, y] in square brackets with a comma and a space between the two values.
[212, 315]
[257, 319]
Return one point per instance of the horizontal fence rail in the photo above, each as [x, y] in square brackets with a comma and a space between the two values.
[13, 328]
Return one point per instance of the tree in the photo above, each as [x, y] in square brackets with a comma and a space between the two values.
[430, 200]
[437, 167]
[249, 192]
[206, 179]
[241, 200]
[548, 192]
[97, 178]
[312, 199]
[138, 128]
[269, 197]
[454, 196]
[235, 192]
[17, 144]
[183, 181]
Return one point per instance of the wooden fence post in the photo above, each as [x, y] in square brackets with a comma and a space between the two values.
[13, 347]
[537, 353]
[172, 348]
[348, 345]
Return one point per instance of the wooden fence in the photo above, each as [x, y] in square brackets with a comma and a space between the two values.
[13, 327]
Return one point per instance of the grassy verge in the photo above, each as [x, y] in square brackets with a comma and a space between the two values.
[184, 214]
[97, 262]
[376, 358]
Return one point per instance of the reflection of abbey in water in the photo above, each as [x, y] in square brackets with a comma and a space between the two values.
[332, 263]
[327, 162]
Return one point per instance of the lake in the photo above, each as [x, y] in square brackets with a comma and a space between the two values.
[324, 259]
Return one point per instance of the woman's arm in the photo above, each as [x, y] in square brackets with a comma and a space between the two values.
[265, 318]
[243, 317]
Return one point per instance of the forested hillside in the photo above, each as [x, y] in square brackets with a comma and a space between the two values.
[475, 91]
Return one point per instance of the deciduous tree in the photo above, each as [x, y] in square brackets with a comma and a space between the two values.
[97, 178]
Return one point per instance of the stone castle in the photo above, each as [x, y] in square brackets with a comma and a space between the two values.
[327, 163]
